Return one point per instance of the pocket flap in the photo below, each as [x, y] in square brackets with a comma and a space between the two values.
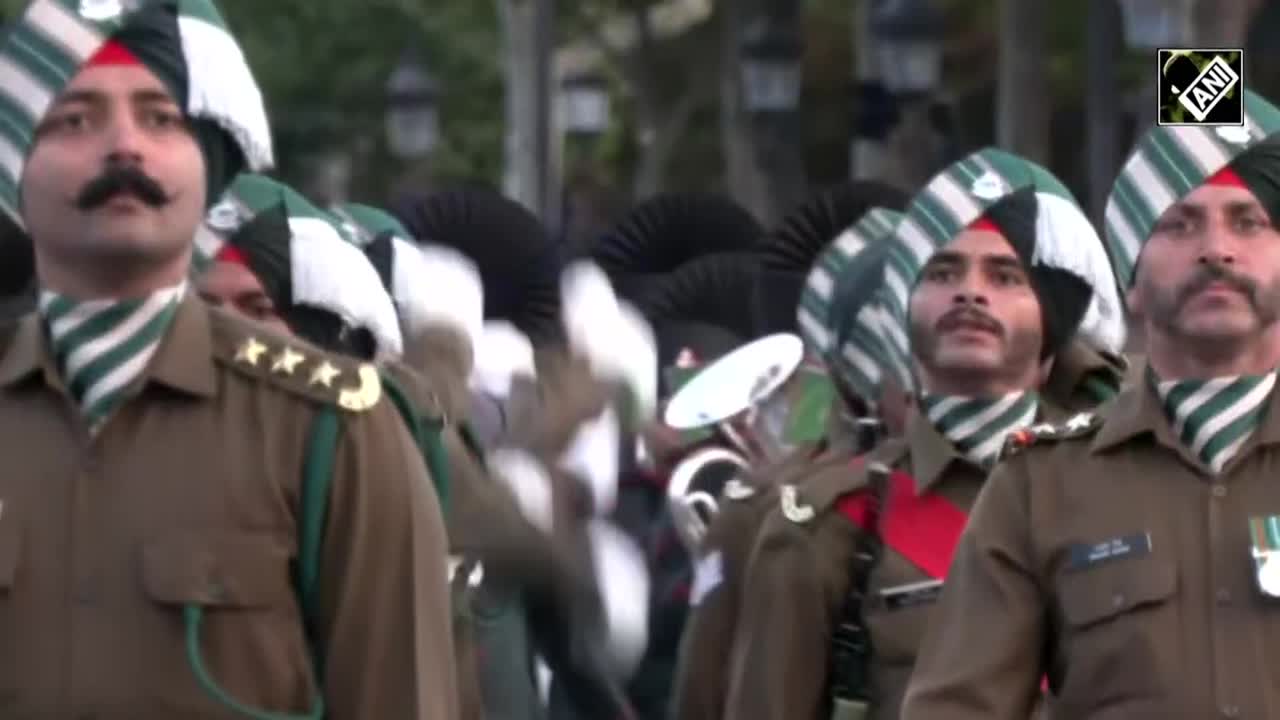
[10, 545]
[1092, 596]
[231, 570]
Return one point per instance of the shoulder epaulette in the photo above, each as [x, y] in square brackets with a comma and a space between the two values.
[299, 368]
[1078, 426]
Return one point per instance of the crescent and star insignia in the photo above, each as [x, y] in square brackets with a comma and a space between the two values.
[250, 352]
[324, 374]
[287, 361]
[791, 507]
[1078, 425]
[366, 394]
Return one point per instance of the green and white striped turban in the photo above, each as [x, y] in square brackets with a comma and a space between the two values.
[44, 48]
[841, 314]
[1168, 163]
[430, 284]
[365, 222]
[1064, 240]
[324, 270]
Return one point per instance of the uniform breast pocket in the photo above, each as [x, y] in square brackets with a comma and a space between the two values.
[1120, 622]
[239, 632]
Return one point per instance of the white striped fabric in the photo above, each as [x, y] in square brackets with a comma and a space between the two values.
[1169, 162]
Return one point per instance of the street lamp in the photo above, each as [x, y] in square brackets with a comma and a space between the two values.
[909, 45]
[413, 122]
[1154, 24]
[772, 63]
[584, 104]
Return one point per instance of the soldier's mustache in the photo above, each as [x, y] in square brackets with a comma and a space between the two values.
[969, 317]
[120, 180]
[1217, 274]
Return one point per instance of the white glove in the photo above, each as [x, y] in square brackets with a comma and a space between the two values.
[623, 583]
[529, 482]
[614, 337]
[437, 285]
[502, 353]
[593, 456]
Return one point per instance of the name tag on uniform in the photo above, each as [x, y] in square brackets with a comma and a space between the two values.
[900, 597]
[1086, 555]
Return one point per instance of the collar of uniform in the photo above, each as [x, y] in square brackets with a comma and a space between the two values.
[931, 453]
[184, 360]
[1134, 412]
[1072, 363]
[831, 476]
[1269, 431]
[27, 353]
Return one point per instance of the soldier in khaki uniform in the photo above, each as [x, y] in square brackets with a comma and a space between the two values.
[1129, 556]
[843, 573]
[263, 249]
[849, 357]
[162, 555]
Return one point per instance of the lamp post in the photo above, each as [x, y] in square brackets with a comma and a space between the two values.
[909, 40]
[1153, 24]
[772, 65]
[584, 104]
[413, 123]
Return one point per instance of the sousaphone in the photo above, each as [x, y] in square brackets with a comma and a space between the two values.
[734, 395]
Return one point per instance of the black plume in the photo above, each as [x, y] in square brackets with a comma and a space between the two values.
[663, 233]
[708, 291]
[519, 261]
[807, 230]
[791, 249]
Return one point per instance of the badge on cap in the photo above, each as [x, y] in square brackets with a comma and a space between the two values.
[223, 217]
[1264, 533]
[987, 187]
[1237, 134]
[100, 10]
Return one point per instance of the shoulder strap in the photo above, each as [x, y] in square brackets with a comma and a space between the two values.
[851, 642]
[426, 434]
[317, 479]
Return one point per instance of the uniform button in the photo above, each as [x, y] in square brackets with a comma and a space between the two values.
[1223, 596]
[1230, 711]
[1117, 601]
[1219, 491]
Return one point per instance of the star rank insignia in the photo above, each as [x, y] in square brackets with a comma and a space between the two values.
[250, 352]
[1079, 425]
[324, 374]
[287, 361]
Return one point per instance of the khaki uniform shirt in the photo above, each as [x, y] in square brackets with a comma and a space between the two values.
[1110, 559]
[189, 496]
[499, 558]
[798, 580]
[701, 680]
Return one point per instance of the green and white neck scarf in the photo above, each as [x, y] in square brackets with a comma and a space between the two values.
[102, 347]
[977, 427]
[1213, 418]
